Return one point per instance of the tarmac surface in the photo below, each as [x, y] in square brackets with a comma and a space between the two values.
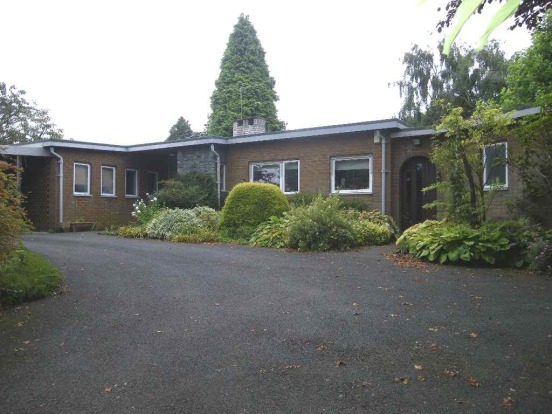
[156, 327]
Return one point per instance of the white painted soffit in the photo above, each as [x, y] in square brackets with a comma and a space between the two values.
[25, 151]
[413, 133]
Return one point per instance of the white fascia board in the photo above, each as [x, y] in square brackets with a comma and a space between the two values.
[179, 144]
[33, 151]
[316, 132]
[413, 133]
[525, 112]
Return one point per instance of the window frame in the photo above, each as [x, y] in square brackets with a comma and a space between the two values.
[88, 168]
[135, 183]
[114, 169]
[222, 177]
[369, 190]
[486, 170]
[282, 164]
[147, 182]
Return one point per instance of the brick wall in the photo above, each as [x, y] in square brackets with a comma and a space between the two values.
[38, 184]
[314, 155]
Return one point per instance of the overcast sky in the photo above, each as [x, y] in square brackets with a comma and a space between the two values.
[122, 72]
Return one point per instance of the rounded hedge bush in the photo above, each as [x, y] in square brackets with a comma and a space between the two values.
[248, 205]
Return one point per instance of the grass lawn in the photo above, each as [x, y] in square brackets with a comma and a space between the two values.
[27, 276]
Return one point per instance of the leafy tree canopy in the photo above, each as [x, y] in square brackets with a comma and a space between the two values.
[181, 130]
[529, 77]
[244, 87]
[21, 120]
[460, 79]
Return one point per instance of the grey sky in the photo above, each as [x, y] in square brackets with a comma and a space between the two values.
[122, 72]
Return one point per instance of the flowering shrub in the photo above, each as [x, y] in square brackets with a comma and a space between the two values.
[170, 223]
[368, 233]
[144, 211]
[273, 233]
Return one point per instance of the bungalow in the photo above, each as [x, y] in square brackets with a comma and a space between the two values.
[383, 163]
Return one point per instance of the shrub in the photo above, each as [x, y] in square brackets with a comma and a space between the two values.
[248, 205]
[306, 199]
[321, 226]
[539, 254]
[189, 190]
[353, 204]
[145, 211]
[376, 217]
[27, 276]
[273, 233]
[369, 234]
[12, 215]
[170, 223]
[132, 232]
[202, 236]
[445, 241]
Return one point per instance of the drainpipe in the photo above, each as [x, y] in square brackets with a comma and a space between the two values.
[60, 162]
[218, 172]
[18, 173]
[383, 173]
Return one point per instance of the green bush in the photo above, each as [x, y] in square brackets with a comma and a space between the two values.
[450, 242]
[306, 199]
[321, 226]
[145, 211]
[171, 223]
[273, 233]
[132, 232]
[370, 234]
[188, 190]
[539, 254]
[202, 236]
[376, 217]
[27, 276]
[247, 206]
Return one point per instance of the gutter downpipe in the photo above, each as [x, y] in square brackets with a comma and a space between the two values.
[218, 172]
[383, 174]
[60, 162]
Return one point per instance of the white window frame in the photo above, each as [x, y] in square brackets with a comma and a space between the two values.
[135, 183]
[352, 158]
[282, 173]
[486, 186]
[156, 181]
[114, 169]
[81, 164]
[223, 177]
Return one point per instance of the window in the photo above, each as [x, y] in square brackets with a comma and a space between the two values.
[351, 175]
[108, 181]
[495, 159]
[153, 182]
[131, 183]
[81, 179]
[284, 174]
[222, 177]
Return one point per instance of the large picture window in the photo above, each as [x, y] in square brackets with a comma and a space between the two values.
[350, 175]
[108, 181]
[284, 174]
[495, 160]
[131, 183]
[81, 179]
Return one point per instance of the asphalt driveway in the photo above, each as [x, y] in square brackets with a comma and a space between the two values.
[156, 327]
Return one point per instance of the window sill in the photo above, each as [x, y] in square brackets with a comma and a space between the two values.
[81, 195]
[352, 192]
[108, 196]
[498, 188]
[130, 196]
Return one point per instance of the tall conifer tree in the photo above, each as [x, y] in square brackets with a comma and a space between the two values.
[243, 67]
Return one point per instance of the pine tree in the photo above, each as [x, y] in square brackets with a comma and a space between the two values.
[243, 67]
[180, 130]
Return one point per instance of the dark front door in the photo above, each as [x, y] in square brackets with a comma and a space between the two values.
[416, 174]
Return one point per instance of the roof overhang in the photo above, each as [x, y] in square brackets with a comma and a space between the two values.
[25, 151]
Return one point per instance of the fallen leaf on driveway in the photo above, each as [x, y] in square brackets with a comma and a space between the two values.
[339, 363]
[418, 367]
[421, 378]
[292, 366]
[402, 380]
[107, 388]
[507, 402]
[321, 347]
[355, 305]
[217, 304]
[434, 347]
[474, 335]
[408, 304]
[449, 373]
[472, 382]
[26, 342]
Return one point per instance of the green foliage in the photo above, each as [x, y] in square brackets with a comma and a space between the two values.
[305, 199]
[368, 233]
[243, 67]
[376, 217]
[321, 226]
[145, 211]
[539, 254]
[457, 154]
[181, 130]
[450, 242]
[27, 276]
[248, 205]
[170, 223]
[22, 121]
[132, 232]
[273, 233]
[188, 191]
[529, 76]
[202, 236]
[459, 79]
[12, 215]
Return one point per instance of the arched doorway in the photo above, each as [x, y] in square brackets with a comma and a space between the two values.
[416, 174]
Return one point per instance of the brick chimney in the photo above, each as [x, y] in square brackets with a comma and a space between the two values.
[249, 126]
